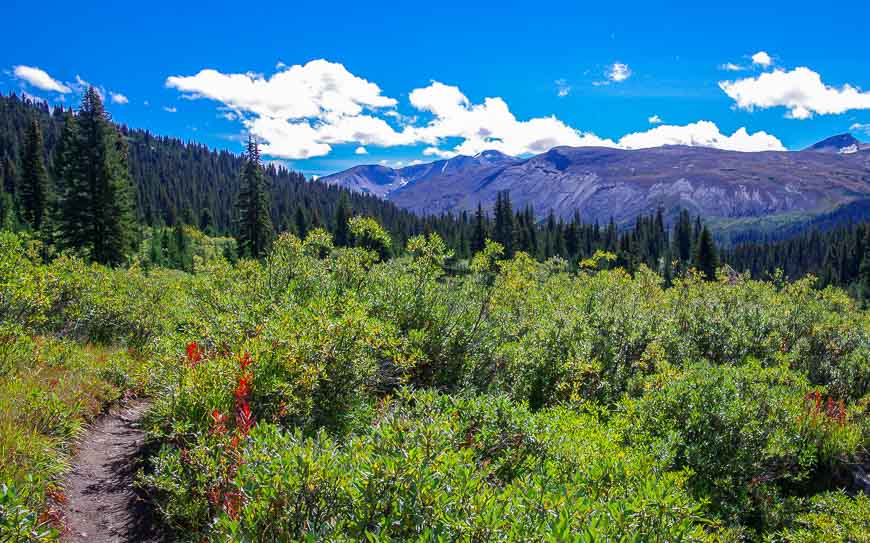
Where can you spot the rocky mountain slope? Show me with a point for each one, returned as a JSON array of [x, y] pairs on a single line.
[[602, 183]]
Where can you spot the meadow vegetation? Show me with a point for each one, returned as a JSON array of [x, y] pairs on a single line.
[[379, 393]]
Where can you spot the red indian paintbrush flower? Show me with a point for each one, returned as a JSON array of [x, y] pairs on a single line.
[[243, 388], [245, 419], [245, 361], [194, 355], [219, 421]]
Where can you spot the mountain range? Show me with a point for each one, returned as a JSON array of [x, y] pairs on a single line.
[[730, 187]]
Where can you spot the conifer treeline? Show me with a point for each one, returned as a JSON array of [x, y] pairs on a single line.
[[651, 242], [839, 257], [177, 182]]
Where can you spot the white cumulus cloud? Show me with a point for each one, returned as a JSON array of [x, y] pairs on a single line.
[[488, 125], [701, 134], [170, 109], [562, 88], [118, 98], [655, 119], [297, 140], [33, 98], [317, 89], [618, 72], [801, 90], [360, 151], [40, 79], [731, 67], [303, 111], [761, 58]]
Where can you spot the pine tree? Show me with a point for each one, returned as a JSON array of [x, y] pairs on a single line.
[[7, 212], [185, 252], [706, 259], [255, 223], [187, 215], [504, 223], [683, 237], [342, 216], [478, 240], [301, 224], [155, 249], [9, 176], [206, 221], [864, 270], [96, 210], [33, 189], [572, 236]]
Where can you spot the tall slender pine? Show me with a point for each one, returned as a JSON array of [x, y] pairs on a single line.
[[864, 269], [342, 216], [706, 259], [504, 222], [33, 189], [478, 242], [255, 222]]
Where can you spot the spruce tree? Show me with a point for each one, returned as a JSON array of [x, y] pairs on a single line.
[[342, 216], [864, 270], [504, 223], [301, 224], [9, 176], [478, 242], [255, 222], [33, 189], [96, 216], [683, 237], [706, 259]]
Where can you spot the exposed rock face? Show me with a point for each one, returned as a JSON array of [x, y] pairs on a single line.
[[602, 183]]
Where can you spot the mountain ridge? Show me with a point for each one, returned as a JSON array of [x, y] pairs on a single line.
[[840, 144], [603, 182]]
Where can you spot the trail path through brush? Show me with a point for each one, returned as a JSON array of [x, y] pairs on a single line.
[[101, 504]]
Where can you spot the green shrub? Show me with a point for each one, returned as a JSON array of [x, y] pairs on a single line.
[[19, 523], [830, 518], [749, 435], [429, 467]]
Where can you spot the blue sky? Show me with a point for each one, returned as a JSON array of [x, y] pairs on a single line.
[[323, 82]]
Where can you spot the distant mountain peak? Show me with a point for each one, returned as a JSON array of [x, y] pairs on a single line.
[[841, 143], [492, 155]]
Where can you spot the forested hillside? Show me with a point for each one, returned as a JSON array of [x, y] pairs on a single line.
[[840, 256], [187, 182]]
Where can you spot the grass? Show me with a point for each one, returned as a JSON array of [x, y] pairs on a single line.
[[51, 390]]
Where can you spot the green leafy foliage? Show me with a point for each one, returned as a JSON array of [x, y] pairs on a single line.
[[831, 518], [329, 393], [749, 435], [19, 523], [429, 467]]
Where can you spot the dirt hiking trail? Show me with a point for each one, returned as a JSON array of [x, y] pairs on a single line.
[[101, 504]]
